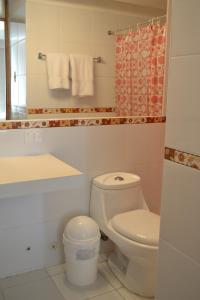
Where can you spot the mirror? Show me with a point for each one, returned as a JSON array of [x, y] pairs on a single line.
[[70, 27]]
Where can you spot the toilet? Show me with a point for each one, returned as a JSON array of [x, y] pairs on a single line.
[[118, 206]]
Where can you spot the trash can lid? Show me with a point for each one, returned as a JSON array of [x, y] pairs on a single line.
[[81, 228]]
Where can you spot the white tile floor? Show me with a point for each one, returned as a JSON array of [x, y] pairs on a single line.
[[51, 284]]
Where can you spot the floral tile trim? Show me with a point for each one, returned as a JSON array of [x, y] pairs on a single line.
[[79, 122], [183, 158], [70, 110]]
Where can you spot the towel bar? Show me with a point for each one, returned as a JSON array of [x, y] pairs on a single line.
[[43, 56]]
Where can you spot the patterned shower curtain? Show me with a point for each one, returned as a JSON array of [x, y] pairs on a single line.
[[140, 62]]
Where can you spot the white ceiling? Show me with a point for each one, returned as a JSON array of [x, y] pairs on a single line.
[[162, 4], [150, 8]]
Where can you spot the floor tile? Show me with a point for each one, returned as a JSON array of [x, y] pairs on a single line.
[[54, 270], [101, 286], [109, 296], [108, 275], [127, 295], [22, 278], [44, 289], [102, 258]]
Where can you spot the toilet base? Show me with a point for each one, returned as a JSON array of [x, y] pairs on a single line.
[[137, 276]]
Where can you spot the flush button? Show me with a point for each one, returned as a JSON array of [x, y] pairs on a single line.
[[119, 178]]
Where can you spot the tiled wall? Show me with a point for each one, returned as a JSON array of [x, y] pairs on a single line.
[[179, 269], [58, 27], [38, 221]]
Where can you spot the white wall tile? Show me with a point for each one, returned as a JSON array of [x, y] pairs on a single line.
[[26, 210], [151, 178], [178, 275], [180, 208], [147, 143], [185, 27], [101, 23], [71, 30], [75, 24], [104, 91], [103, 94], [40, 237], [39, 220], [179, 268], [42, 26], [14, 257], [107, 68], [77, 47], [183, 104]]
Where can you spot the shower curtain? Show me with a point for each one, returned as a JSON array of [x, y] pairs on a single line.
[[140, 61]]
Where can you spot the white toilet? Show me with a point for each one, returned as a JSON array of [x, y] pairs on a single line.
[[118, 206]]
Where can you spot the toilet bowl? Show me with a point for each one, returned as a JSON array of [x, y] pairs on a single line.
[[118, 206]]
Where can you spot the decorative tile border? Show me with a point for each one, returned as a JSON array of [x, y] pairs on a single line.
[[70, 110], [183, 158], [25, 124]]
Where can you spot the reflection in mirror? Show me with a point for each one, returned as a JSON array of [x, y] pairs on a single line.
[[2, 72], [17, 34], [2, 62], [66, 27], [2, 9]]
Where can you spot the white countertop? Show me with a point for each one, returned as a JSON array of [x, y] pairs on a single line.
[[38, 173]]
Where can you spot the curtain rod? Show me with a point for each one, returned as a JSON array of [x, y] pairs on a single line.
[[156, 19]]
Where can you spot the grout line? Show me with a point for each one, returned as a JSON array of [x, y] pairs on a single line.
[[184, 55], [180, 252], [54, 284], [52, 275], [123, 297], [23, 283], [103, 293]]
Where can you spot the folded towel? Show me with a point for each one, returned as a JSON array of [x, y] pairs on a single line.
[[58, 70], [82, 75]]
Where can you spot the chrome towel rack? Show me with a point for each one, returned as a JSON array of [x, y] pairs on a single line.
[[43, 56]]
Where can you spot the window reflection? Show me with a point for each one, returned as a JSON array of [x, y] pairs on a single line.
[[2, 72]]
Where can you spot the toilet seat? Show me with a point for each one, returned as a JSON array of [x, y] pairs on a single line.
[[138, 225]]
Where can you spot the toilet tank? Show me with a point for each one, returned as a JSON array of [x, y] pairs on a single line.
[[115, 193]]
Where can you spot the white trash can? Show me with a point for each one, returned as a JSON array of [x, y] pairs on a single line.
[[81, 239]]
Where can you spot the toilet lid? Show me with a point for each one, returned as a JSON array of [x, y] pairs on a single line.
[[138, 225]]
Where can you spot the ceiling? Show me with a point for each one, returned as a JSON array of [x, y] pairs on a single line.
[[150, 8], [161, 4]]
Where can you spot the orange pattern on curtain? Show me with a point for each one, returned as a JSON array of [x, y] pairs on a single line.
[[140, 62]]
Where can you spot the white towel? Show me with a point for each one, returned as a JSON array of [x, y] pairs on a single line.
[[82, 75], [58, 70]]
